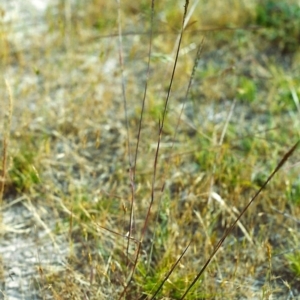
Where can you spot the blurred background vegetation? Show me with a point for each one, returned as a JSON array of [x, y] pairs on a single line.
[[71, 140]]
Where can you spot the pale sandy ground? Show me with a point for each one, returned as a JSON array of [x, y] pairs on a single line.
[[26, 243]]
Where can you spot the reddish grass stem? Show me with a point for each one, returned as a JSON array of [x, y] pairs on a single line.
[[171, 271], [161, 126], [131, 167], [229, 230], [198, 54]]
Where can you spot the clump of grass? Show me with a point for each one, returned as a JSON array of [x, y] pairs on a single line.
[[147, 180], [294, 262], [282, 21], [22, 172]]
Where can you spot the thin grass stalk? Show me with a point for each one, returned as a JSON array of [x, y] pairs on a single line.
[[165, 32], [131, 172], [198, 54], [171, 271], [164, 115], [229, 230], [173, 71], [160, 129], [142, 112], [145, 89], [121, 61]]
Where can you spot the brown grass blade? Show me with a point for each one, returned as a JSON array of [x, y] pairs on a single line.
[[131, 166], [229, 230], [170, 272], [161, 126], [132, 177], [197, 58]]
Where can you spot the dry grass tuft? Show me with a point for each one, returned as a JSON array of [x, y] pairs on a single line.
[[140, 132]]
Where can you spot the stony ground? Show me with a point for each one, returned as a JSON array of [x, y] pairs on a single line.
[[27, 244]]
